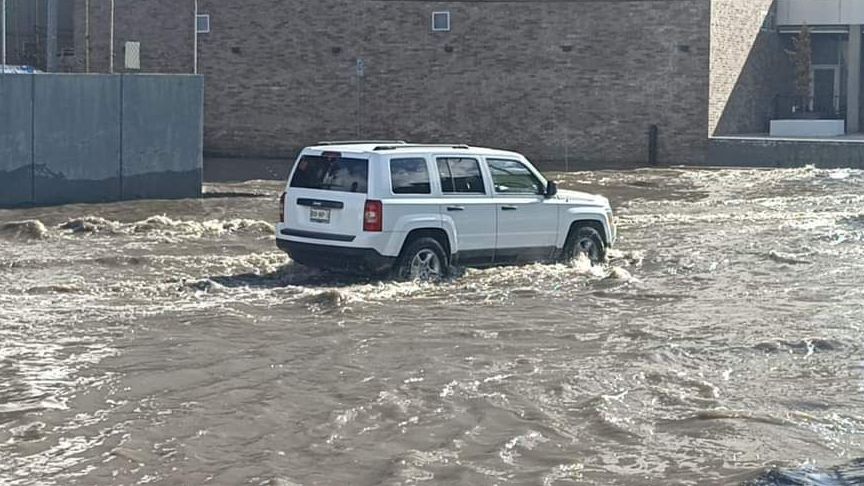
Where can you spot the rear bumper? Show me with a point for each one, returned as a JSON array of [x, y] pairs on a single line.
[[338, 258]]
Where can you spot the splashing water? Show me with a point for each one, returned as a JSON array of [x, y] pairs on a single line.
[[169, 342]]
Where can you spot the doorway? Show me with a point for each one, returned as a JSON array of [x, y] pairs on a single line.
[[825, 90]]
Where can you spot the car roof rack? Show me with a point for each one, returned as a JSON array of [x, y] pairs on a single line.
[[434, 145], [361, 142]]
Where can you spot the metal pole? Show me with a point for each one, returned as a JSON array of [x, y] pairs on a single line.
[[3, 30], [195, 33], [361, 71], [359, 106], [567, 154], [86, 36], [111, 41]]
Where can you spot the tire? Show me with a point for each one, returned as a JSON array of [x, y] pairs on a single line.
[[584, 240], [422, 260]]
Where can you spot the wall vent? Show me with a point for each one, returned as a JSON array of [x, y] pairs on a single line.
[[133, 55]]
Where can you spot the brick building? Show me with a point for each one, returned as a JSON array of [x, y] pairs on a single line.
[[576, 82]]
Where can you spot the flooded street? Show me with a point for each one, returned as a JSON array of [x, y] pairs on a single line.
[[170, 342]]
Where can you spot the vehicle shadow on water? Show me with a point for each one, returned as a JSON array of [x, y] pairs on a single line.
[[291, 275]]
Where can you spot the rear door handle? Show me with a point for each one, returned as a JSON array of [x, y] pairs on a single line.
[[455, 208], [509, 208]]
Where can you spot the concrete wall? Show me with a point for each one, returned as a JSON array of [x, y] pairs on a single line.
[[820, 12], [16, 139], [575, 79], [749, 67], [162, 155], [94, 138], [76, 138], [766, 152]]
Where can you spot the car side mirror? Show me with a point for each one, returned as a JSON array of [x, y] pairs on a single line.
[[551, 189]]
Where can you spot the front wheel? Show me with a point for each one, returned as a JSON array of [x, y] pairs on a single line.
[[587, 241], [422, 260]]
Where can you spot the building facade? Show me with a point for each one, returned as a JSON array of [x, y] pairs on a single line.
[[571, 84], [754, 71]]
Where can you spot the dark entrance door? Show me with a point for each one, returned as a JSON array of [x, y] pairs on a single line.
[[825, 93]]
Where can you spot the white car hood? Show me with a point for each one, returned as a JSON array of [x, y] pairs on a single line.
[[582, 198]]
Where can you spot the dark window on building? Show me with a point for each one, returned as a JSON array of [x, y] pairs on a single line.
[[440, 21], [512, 177], [459, 175], [409, 176], [826, 49], [202, 23], [331, 174]]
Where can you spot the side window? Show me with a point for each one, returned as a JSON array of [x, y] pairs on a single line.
[[409, 176], [512, 177], [460, 176]]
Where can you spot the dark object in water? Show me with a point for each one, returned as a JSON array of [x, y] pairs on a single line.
[[844, 475]]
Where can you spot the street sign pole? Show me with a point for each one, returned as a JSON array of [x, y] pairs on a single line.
[[361, 71]]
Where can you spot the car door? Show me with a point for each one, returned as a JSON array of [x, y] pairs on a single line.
[[527, 225], [466, 202]]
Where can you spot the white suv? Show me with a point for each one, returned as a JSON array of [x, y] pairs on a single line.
[[418, 209]]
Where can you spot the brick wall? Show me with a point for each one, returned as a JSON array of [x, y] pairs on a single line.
[[163, 27], [749, 67], [577, 79]]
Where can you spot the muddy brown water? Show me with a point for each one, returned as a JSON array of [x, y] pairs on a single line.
[[169, 342]]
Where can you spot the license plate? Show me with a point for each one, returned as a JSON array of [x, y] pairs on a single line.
[[319, 215]]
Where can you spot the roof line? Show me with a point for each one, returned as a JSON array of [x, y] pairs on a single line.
[[360, 142], [417, 145]]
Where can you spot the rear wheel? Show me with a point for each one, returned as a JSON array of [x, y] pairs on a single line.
[[423, 260], [584, 240]]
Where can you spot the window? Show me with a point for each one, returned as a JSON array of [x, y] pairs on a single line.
[[409, 176], [460, 175], [440, 21], [512, 177], [826, 49], [331, 173], [202, 24]]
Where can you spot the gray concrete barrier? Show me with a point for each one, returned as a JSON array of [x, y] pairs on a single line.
[[94, 138], [767, 152], [76, 138], [162, 127], [16, 140]]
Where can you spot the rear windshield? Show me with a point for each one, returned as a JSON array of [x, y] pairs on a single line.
[[331, 174]]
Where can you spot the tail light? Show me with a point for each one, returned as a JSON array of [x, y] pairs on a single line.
[[282, 208], [373, 216]]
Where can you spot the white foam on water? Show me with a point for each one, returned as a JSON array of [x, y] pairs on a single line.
[[28, 229], [152, 226], [509, 452], [564, 472]]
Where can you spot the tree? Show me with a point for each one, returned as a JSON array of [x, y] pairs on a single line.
[[802, 58]]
